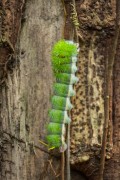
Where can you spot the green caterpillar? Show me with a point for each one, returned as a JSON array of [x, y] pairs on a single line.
[[64, 59]]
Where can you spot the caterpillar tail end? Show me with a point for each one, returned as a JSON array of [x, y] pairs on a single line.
[[63, 147]]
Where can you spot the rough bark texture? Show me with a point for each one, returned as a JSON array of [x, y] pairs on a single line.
[[25, 96], [112, 170], [10, 25], [97, 20], [90, 91]]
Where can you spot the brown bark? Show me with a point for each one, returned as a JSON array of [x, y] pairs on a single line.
[[25, 95], [10, 24], [113, 165], [97, 19], [109, 74]]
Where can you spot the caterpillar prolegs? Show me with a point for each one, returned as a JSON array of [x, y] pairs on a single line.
[[64, 59]]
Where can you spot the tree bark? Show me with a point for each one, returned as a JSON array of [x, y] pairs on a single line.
[[112, 167], [28, 30], [25, 94], [97, 25]]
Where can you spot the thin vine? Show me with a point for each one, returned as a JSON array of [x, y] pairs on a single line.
[[75, 20]]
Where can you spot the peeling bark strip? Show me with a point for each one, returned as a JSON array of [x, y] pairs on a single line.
[[10, 24]]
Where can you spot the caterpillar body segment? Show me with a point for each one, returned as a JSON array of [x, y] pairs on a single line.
[[61, 60], [69, 68], [61, 103], [63, 90], [55, 128], [64, 60], [54, 140], [65, 78], [66, 68], [59, 116]]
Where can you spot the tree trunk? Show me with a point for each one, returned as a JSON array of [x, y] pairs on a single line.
[[97, 25], [112, 170], [26, 90], [28, 30]]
